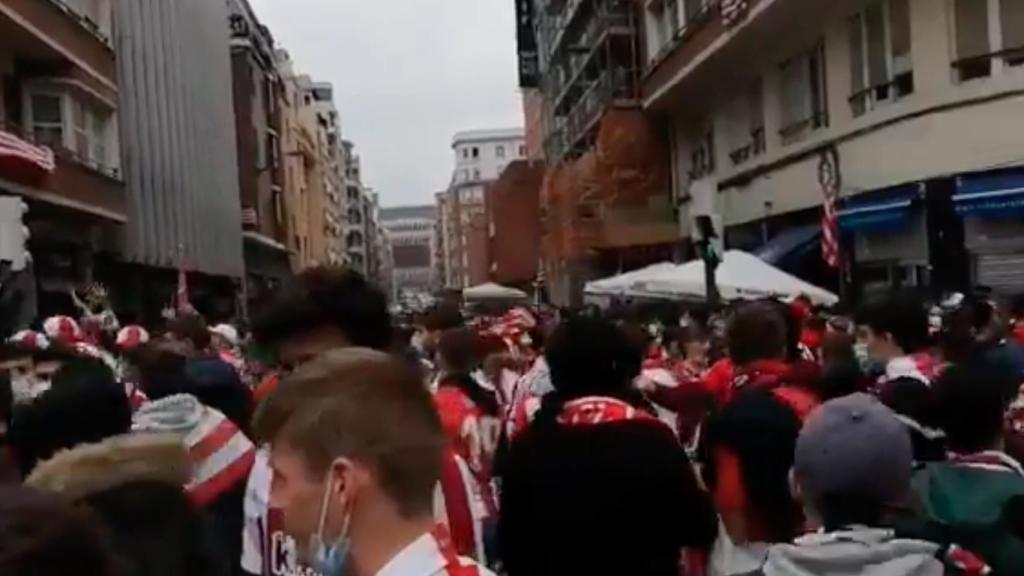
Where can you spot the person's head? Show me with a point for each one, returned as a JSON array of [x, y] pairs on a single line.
[[356, 445], [591, 356], [971, 400], [458, 351], [160, 369], [750, 449], [324, 308], [694, 342], [444, 316], [45, 536], [893, 326], [841, 370], [757, 331], [80, 410], [190, 330], [972, 324], [224, 338], [853, 463]]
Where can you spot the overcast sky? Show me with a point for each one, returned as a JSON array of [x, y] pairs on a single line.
[[407, 74]]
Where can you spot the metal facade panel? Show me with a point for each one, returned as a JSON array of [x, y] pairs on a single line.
[[178, 135]]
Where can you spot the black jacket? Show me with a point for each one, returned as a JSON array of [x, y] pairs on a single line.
[[617, 498]]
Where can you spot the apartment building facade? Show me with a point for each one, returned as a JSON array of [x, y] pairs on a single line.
[[605, 201], [321, 115], [411, 233], [480, 158], [181, 159], [906, 104], [259, 102], [514, 225], [60, 147]]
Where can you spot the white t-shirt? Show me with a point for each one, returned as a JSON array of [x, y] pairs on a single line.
[[266, 549], [428, 557]]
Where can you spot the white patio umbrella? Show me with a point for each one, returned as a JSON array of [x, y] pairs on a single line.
[[741, 276], [492, 291]]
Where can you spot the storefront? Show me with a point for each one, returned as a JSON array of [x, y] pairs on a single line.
[[885, 236], [992, 207]]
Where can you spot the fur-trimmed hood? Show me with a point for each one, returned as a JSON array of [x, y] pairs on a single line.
[[95, 468]]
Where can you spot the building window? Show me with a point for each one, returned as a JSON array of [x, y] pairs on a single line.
[[499, 152], [746, 124], [982, 50], [522, 151], [702, 158], [881, 69], [476, 172], [273, 150], [804, 106], [465, 153], [47, 119], [476, 152], [663, 22], [62, 122]]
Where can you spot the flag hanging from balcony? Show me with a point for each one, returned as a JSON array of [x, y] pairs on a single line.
[[828, 179], [22, 161], [733, 11]]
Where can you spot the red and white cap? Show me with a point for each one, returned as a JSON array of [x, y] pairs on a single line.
[[30, 340], [63, 329], [131, 337]]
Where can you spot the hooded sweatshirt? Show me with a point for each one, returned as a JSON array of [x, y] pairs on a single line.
[[971, 499], [863, 551], [221, 455]]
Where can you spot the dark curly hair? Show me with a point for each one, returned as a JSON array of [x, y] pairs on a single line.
[[327, 297]]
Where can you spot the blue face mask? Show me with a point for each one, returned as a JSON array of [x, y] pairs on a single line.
[[329, 559]]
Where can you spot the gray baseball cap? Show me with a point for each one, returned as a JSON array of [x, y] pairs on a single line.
[[854, 445]]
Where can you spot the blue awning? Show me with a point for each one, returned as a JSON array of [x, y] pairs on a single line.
[[791, 242], [990, 194], [882, 209]]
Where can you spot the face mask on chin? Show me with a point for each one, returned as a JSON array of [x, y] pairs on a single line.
[[329, 559]]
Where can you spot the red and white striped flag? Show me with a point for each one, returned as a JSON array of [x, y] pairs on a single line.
[[15, 148], [831, 251]]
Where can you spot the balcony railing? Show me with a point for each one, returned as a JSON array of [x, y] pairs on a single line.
[[869, 98], [83, 20], [795, 131], [598, 31], [612, 87], [755, 147], [980, 66]]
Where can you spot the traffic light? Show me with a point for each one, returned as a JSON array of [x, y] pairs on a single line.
[[14, 234], [707, 234]]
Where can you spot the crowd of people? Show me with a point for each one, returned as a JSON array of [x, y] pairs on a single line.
[[767, 438]]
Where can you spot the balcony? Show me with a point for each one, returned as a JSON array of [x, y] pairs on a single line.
[[74, 183], [645, 225], [604, 34], [613, 88], [707, 48], [51, 35]]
